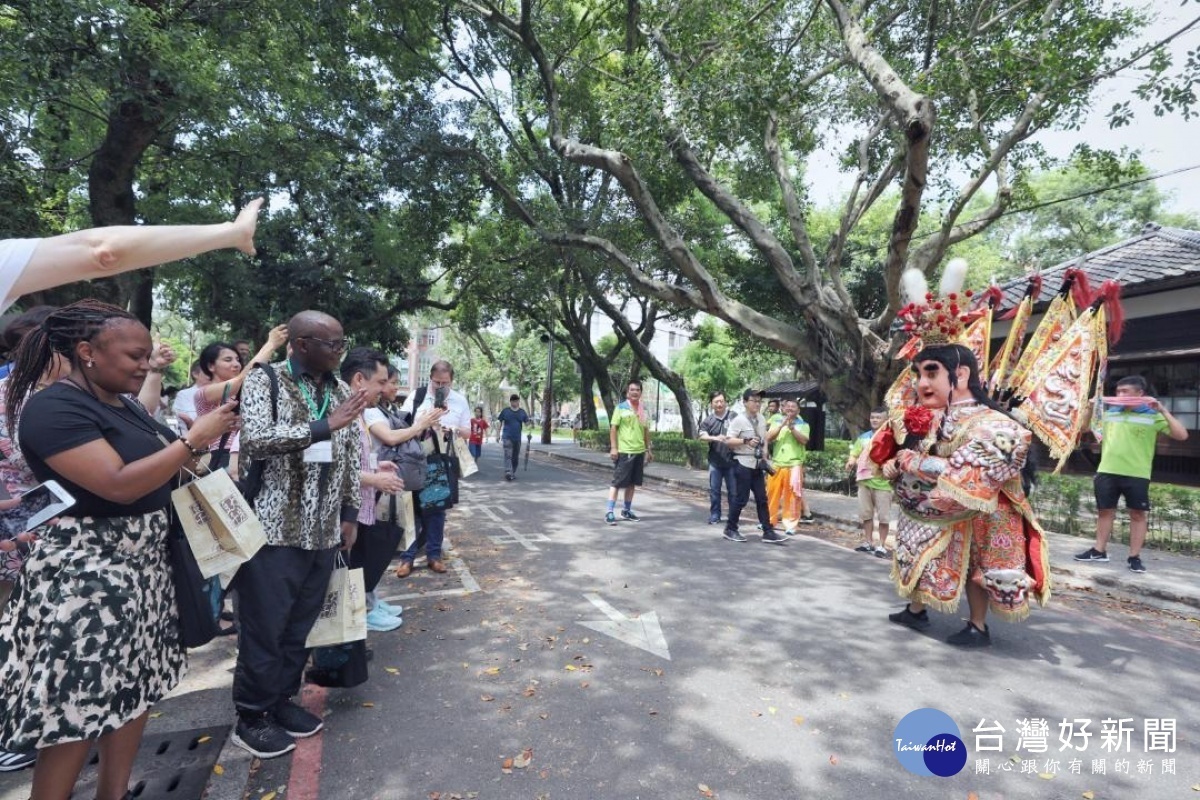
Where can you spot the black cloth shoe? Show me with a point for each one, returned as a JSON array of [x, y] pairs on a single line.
[[298, 723], [11, 761], [905, 616], [774, 537], [971, 636], [261, 736]]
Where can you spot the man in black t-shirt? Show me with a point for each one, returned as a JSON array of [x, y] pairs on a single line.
[[720, 460]]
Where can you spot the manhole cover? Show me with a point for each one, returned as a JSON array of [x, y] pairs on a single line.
[[169, 766]]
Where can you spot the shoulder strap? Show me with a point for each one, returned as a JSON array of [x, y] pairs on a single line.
[[419, 397], [273, 377]]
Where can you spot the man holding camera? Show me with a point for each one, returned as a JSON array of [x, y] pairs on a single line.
[[746, 437], [455, 419]]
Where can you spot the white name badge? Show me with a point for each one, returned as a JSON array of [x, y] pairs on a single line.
[[319, 453], [373, 462]]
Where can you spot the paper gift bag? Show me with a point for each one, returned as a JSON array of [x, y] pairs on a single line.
[[220, 527], [343, 616], [409, 519], [466, 462]]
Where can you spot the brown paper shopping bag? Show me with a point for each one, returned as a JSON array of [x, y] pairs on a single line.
[[343, 616], [466, 462], [408, 517], [221, 529]]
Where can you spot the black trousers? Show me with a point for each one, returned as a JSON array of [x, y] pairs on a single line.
[[280, 593], [749, 481], [373, 550]]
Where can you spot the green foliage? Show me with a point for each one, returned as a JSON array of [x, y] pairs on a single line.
[[707, 364], [1104, 215]]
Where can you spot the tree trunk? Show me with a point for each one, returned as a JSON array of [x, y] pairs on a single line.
[[587, 403], [132, 128]]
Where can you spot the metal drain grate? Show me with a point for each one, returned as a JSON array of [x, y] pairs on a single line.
[[169, 766]]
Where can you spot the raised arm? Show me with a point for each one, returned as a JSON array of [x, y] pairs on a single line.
[[101, 252], [394, 436], [276, 339]]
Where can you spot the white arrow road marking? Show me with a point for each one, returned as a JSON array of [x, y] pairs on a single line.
[[642, 631]]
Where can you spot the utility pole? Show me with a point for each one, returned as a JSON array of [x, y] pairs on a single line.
[[548, 395]]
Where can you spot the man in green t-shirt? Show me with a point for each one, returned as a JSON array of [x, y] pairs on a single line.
[[629, 447], [874, 490], [787, 433], [1130, 432]]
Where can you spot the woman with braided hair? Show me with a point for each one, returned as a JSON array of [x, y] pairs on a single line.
[[90, 638]]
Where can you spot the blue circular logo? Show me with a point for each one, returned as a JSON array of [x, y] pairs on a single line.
[[928, 742]]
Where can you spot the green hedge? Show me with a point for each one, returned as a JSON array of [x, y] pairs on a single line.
[[1064, 503], [1067, 504]]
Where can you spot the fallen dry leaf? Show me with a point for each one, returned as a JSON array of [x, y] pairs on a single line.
[[544, 715], [368, 705], [269, 796], [756, 713], [529, 691], [487, 698], [705, 791], [435, 796], [584, 685], [492, 671], [771, 710], [1088, 795], [1046, 776], [798, 720], [522, 761], [972, 796], [506, 766], [391, 670], [218, 769], [833, 760], [203, 739], [155, 714], [570, 668]]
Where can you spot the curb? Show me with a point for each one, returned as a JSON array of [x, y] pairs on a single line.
[[1134, 590]]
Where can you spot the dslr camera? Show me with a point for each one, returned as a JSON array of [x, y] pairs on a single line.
[[763, 463]]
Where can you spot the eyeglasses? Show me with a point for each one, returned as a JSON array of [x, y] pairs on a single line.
[[336, 345]]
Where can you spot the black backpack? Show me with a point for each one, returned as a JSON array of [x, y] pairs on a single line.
[[252, 481], [409, 457]]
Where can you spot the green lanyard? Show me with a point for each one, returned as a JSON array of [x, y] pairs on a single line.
[[309, 400]]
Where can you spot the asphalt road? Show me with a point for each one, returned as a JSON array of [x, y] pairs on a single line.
[[775, 675], [564, 658]]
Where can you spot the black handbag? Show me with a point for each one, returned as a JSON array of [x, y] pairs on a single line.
[[340, 666], [195, 596]]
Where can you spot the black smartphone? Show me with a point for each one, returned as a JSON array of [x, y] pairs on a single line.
[[439, 397]]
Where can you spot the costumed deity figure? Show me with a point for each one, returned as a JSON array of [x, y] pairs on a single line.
[[959, 462]]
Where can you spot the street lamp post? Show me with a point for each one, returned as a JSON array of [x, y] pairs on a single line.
[[548, 395]]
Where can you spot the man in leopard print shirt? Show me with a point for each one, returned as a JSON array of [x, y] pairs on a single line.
[[308, 505]]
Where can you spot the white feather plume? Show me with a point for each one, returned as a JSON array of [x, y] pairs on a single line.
[[953, 276], [913, 285]]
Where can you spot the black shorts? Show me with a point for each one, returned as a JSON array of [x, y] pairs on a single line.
[[1110, 488], [628, 470]]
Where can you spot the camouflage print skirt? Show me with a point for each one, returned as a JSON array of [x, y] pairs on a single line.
[[90, 637]]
